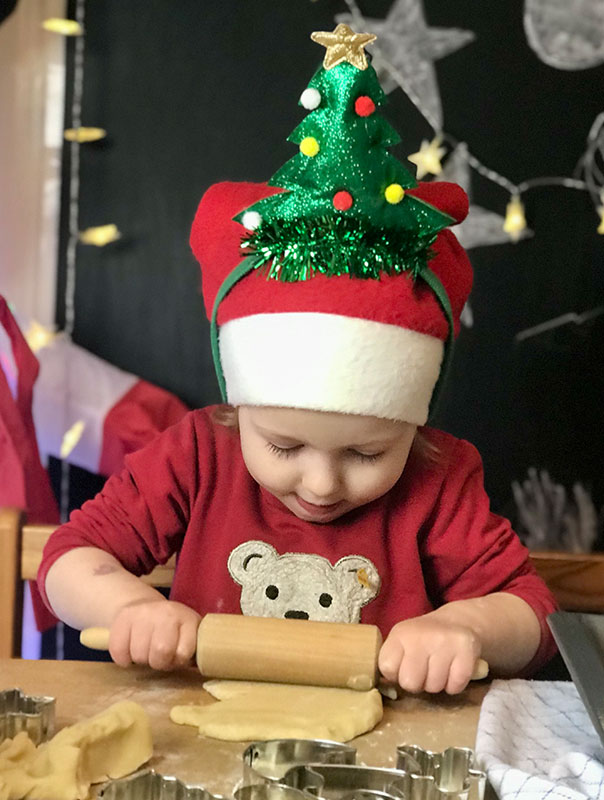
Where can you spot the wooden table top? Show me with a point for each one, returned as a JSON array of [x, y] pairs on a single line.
[[84, 688]]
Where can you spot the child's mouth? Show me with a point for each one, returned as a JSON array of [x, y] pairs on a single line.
[[318, 510]]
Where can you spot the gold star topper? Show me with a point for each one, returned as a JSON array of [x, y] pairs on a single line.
[[343, 44]]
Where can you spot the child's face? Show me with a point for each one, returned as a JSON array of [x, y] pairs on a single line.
[[322, 464]]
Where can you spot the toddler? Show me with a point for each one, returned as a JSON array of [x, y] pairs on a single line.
[[316, 491]]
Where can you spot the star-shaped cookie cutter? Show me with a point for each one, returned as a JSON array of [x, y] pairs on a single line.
[[29, 713]]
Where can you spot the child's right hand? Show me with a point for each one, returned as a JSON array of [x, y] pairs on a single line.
[[160, 633], [429, 654]]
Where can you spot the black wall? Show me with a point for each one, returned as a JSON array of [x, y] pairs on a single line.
[[193, 91]]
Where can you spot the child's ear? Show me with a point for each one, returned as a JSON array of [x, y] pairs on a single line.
[[247, 557], [359, 578]]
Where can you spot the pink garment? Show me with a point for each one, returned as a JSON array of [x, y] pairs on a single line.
[[430, 540]]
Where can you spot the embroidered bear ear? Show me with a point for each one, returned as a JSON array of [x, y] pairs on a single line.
[[246, 558], [359, 578]]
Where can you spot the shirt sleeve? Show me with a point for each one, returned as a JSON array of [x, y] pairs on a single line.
[[471, 552], [140, 517]]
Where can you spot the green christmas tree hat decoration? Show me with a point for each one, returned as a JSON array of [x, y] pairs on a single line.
[[345, 209]]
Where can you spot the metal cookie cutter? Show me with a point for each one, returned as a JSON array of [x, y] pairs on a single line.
[[22, 712], [346, 781], [150, 785], [433, 776], [270, 760], [269, 791]]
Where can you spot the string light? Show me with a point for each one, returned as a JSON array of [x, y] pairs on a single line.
[[100, 235], [71, 438], [587, 176], [65, 27], [601, 212], [84, 135], [515, 221], [38, 336], [428, 157], [70, 254]]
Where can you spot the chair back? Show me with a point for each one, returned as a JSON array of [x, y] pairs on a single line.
[[575, 579], [21, 547]]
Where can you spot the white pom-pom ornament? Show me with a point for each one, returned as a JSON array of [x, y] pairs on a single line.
[[250, 220], [310, 99]]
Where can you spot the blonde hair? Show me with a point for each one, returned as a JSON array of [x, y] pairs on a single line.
[[422, 447]]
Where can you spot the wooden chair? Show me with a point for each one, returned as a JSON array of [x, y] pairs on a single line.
[[576, 580], [21, 547]]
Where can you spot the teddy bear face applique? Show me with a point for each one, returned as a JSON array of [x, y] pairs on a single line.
[[302, 585]]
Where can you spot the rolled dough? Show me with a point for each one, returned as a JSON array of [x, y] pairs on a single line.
[[109, 745], [248, 711]]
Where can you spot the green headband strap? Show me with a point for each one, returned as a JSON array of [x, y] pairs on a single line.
[[433, 281], [249, 263], [240, 271]]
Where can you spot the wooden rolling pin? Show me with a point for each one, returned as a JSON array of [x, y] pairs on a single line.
[[237, 647]]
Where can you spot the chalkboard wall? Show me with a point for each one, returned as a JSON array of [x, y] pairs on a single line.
[[193, 91]]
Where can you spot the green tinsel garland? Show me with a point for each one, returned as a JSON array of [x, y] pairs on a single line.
[[336, 246]]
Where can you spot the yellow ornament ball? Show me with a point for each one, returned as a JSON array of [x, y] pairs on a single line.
[[309, 146], [394, 193]]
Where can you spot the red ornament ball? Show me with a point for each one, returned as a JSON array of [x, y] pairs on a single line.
[[342, 201], [364, 106]]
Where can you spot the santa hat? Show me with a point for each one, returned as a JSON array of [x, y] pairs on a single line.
[[347, 294]]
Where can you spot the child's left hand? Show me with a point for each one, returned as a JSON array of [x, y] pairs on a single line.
[[426, 654]]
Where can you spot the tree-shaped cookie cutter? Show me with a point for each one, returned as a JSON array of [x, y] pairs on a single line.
[[277, 769], [23, 712], [270, 760], [150, 785]]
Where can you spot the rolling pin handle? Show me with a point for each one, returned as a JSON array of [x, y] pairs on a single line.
[[481, 670], [95, 638]]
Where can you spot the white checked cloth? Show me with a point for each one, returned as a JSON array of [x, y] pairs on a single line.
[[535, 741]]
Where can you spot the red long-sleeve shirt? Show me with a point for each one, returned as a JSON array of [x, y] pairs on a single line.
[[431, 539]]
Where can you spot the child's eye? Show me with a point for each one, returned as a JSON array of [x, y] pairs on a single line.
[[283, 452], [365, 456]]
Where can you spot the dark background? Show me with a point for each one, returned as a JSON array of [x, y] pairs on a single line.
[[193, 91]]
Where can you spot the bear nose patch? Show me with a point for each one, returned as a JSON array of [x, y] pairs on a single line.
[[296, 615]]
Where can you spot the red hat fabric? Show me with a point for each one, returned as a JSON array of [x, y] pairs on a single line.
[[334, 343]]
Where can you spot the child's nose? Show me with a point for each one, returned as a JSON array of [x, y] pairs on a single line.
[[321, 478]]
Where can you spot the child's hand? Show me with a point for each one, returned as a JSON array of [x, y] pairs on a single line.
[[425, 654], [160, 633]]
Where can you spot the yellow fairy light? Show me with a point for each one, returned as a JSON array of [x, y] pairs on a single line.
[[38, 336], [309, 146], [600, 211], [343, 44], [101, 235], [66, 27], [515, 221], [83, 135], [394, 193], [71, 438], [427, 159]]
